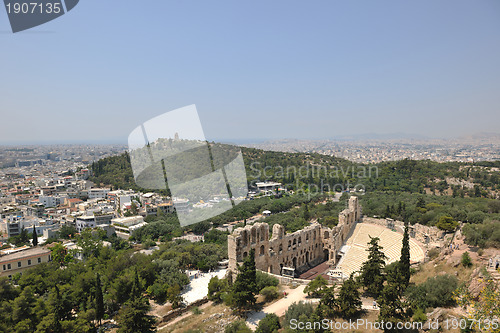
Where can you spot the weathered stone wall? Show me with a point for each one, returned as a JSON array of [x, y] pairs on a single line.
[[301, 249], [422, 233]]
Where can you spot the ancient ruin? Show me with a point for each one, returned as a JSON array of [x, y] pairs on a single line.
[[300, 250]]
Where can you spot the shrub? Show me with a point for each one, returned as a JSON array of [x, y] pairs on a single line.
[[466, 260], [297, 310], [433, 253], [476, 217], [196, 311], [269, 324], [483, 235], [270, 293], [419, 316], [435, 292], [238, 326], [265, 280]]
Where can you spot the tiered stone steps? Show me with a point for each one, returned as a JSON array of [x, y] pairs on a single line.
[[390, 241]]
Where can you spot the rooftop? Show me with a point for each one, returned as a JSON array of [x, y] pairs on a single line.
[[35, 251]]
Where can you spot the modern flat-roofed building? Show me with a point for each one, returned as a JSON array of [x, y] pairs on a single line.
[[84, 222], [18, 261], [267, 186], [98, 193], [125, 225]]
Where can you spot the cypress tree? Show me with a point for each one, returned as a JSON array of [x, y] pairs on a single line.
[[57, 308], [136, 286], [35, 236], [404, 261], [99, 300]]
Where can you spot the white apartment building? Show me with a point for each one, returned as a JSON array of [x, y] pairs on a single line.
[[125, 225], [50, 200], [85, 222], [98, 193]]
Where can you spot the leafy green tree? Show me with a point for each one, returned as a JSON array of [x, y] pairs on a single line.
[[67, 231], [244, 289], [60, 255], [447, 223], [217, 288], [316, 287], [35, 237], [269, 324], [174, 296], [89, 245], [23, 236], [349, 300], [133, 208], [371, 276]]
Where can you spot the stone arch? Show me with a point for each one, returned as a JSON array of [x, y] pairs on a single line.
[[262, 233], [245, 254], [254, 235], [300, 240], [280, 249], [261, 252], [271, 269], [294, 262], [307, 257], [326, 235], [289, 244], [294, 242], [314, 235], [326, 254], [307, 237]]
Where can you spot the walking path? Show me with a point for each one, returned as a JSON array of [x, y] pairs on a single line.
[[279, 307], [293, 296]]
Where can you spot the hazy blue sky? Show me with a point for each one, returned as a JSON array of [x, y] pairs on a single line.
[[255, 69]]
